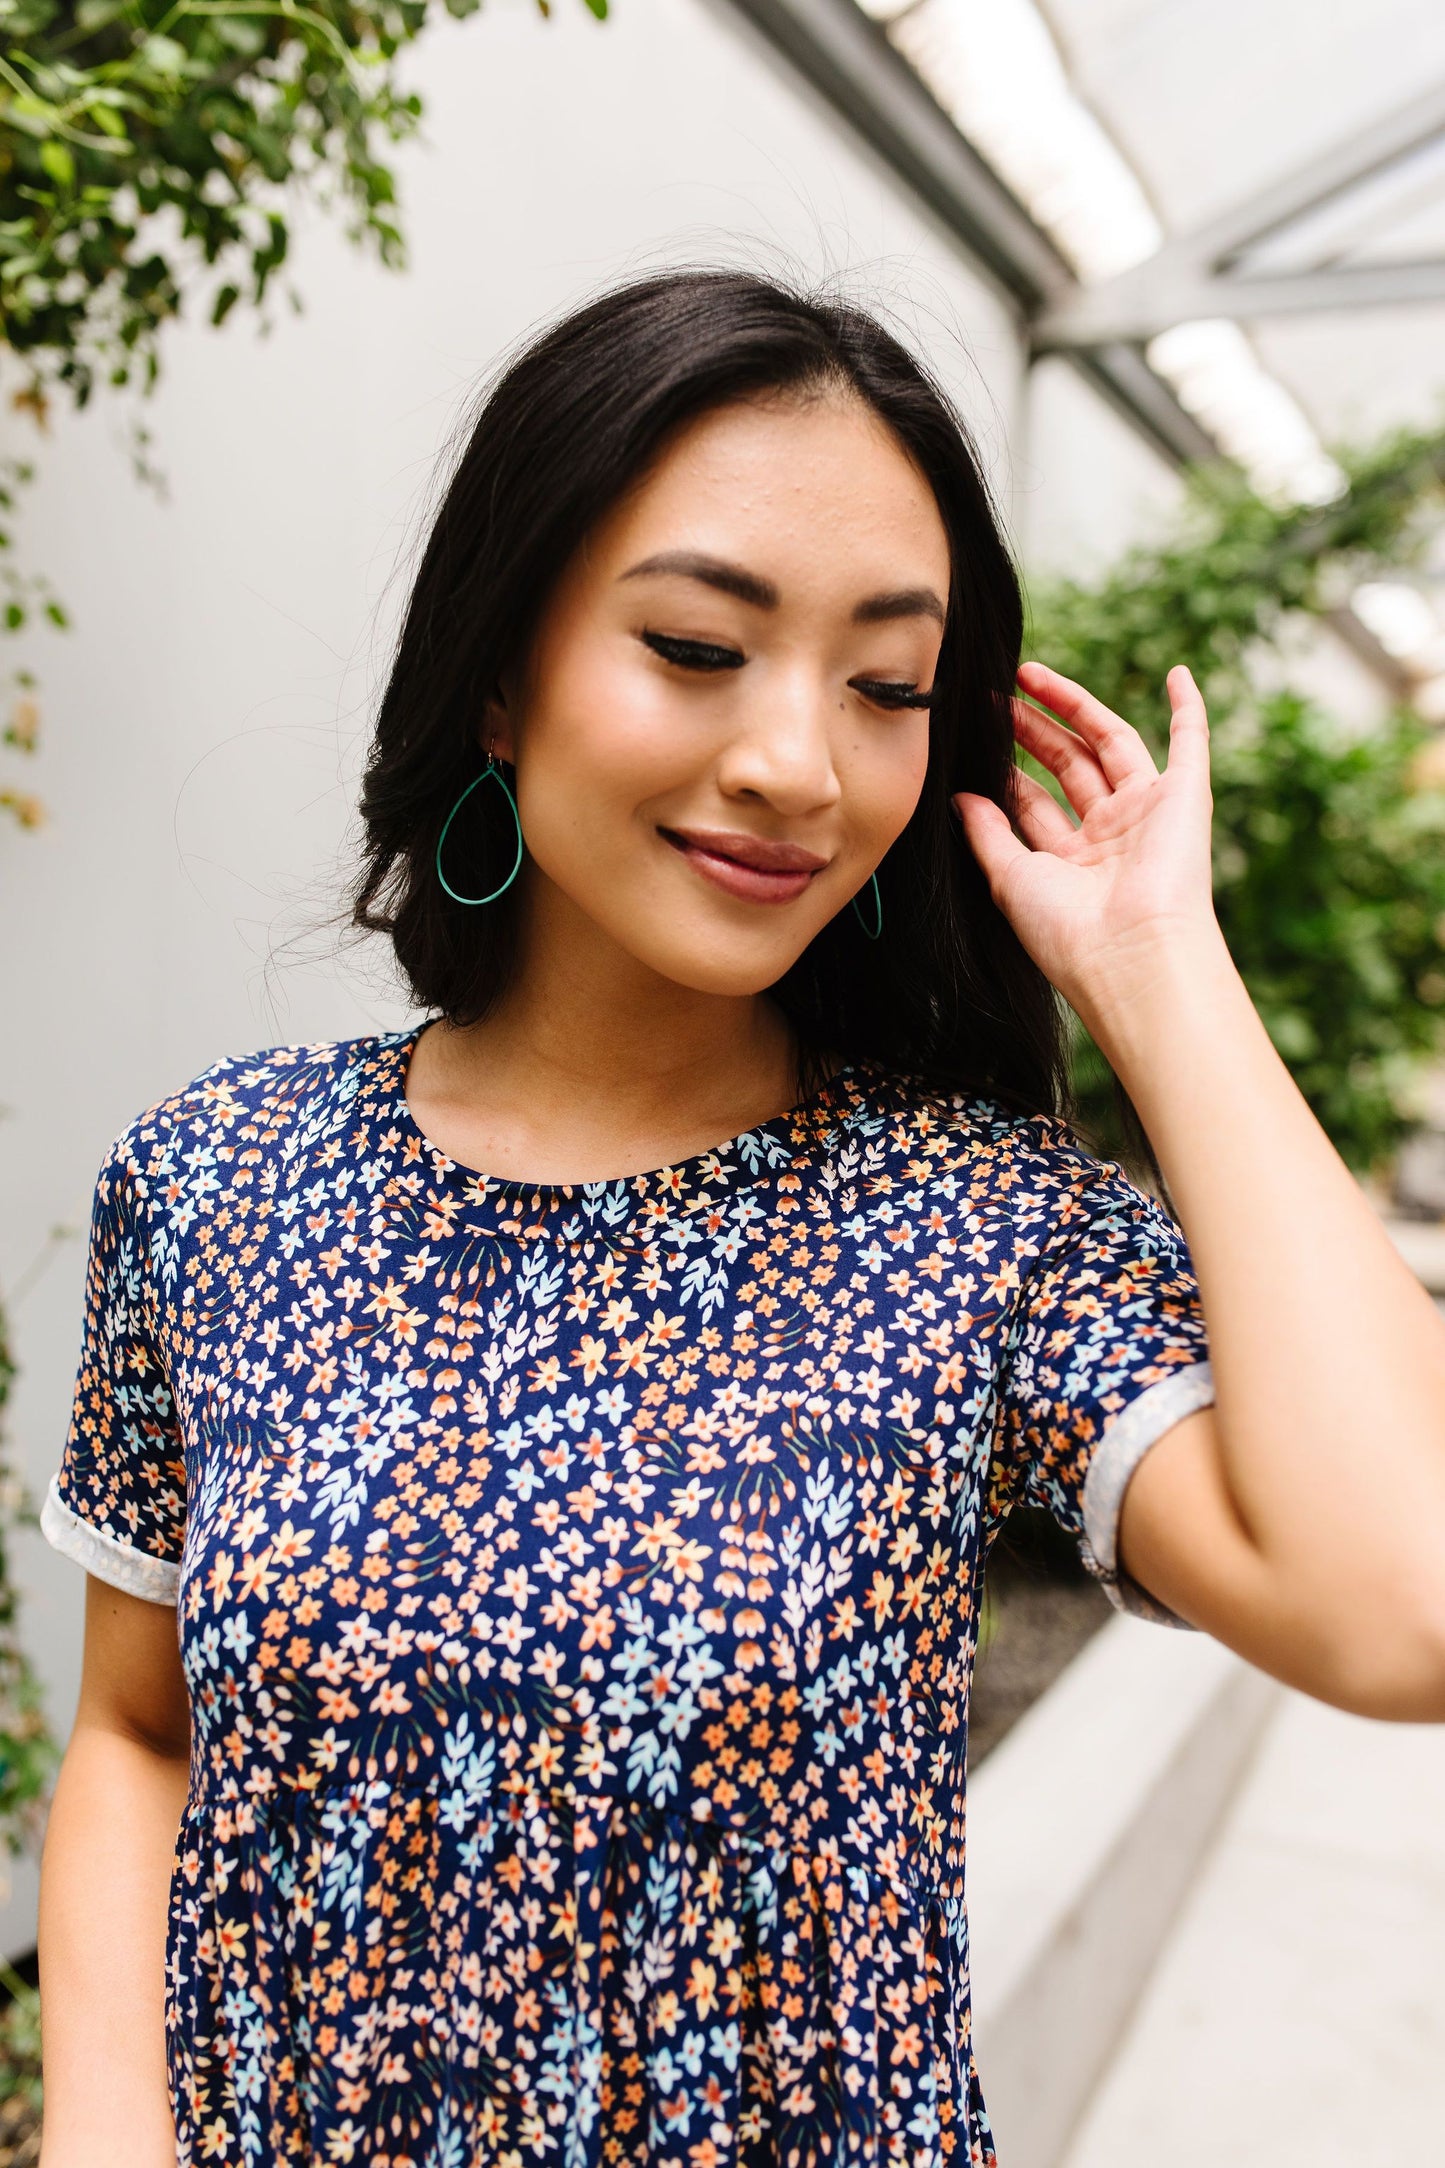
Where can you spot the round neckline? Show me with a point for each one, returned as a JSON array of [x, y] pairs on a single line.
[[785, 1144]]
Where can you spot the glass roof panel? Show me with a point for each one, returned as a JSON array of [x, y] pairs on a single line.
[[1213, 99]]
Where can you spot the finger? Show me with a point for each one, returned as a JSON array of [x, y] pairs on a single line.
[[1043, 820], [1064, 755], [1188, 727], [990, 838], [1120, 749]]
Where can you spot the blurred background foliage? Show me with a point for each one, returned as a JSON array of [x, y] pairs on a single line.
[[150, 153], [1329, 844], [146, 145], [29, 1756]]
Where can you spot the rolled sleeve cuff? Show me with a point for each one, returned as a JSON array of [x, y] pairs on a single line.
[[125, 1567], [1123, 1445]]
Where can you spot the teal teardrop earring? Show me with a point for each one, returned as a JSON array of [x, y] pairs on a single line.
[[874, 932], [491, 772]]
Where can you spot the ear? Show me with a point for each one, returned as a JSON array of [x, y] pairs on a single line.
[[496, 730]]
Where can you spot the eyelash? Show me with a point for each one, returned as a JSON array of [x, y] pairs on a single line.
[[703, 655], [692, 654]]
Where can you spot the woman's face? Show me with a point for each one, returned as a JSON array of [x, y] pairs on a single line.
[[720, 730]]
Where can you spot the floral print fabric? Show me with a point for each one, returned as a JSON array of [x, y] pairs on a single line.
[[577, 1591]]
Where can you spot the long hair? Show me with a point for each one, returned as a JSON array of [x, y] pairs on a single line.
[[947, 994]]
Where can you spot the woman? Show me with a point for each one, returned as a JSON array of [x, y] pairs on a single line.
[[568, 1434]]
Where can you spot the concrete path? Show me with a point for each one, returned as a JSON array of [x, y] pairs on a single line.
[[1296, 2018]]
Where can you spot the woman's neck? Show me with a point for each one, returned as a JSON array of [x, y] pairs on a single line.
[[591, 1066]]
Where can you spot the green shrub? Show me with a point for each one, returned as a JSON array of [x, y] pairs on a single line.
[[1329, 868], [28, 1754]]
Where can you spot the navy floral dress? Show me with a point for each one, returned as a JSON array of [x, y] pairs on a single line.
[[577, 1590]]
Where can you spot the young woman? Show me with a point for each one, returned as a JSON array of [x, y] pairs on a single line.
[[535, 1468]]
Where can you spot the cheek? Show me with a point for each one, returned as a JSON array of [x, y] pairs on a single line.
[[882, 780], [598, 739]]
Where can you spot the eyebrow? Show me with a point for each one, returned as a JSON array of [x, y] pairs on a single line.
[[731, 579], [713, 572], [906, 602]]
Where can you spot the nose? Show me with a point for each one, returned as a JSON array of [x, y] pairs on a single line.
[[782, 752]]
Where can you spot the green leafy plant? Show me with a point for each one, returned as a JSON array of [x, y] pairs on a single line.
[[28, 1754], [1330, 887], [20, 2086], [145, 140], [1329, 866], [149, 153], [20, 735], [23, 596]]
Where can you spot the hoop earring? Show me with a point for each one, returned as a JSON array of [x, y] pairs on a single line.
[[491, 772], [875, 931]]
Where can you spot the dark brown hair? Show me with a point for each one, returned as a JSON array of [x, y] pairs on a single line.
[[948, 993]]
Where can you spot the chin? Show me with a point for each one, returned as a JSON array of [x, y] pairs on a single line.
[[730, 969]]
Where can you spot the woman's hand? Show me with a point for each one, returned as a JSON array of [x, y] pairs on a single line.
[[1102, 907]]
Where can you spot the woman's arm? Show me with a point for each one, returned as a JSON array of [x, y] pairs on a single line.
[[1302, 1519], [104, 1878]]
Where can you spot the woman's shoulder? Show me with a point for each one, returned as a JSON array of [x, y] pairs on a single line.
[[243, 1104], [972, 1143], [936, 1121]]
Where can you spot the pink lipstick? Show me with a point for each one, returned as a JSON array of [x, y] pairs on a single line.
[[746, 866]]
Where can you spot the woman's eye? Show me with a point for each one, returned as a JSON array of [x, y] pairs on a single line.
[[693, 654], [884, 693]]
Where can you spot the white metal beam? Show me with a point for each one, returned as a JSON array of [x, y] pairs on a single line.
[[1330, 174], [1171, 289], [1197, 275], [845, 57]]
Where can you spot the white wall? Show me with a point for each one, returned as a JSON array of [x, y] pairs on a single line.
[[203, 720], [1085, 484]]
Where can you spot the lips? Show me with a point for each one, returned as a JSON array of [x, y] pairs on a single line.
[[749, 867]]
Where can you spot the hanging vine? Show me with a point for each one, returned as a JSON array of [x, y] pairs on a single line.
[[150, 153]]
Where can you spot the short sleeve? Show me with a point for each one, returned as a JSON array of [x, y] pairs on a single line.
[[1108, 1352], [116, 1504]]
